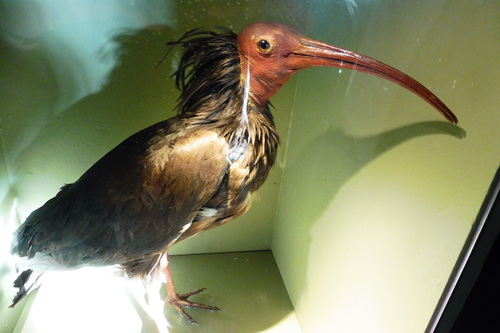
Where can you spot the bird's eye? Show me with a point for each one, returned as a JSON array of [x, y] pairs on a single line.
[[263, 45]]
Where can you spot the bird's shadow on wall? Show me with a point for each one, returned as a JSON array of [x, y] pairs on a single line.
[[342, 156], [134, 96]]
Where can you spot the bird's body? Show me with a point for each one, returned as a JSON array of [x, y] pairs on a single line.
[[156, 180], [179, 177]]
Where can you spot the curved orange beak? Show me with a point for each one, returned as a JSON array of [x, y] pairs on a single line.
[[311, 53]]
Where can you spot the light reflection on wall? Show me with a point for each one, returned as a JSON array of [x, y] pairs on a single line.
[[74, 35]]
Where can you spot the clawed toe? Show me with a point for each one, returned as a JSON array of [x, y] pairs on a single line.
[[181, 301]]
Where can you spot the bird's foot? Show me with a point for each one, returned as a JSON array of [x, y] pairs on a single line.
[[181, 301]]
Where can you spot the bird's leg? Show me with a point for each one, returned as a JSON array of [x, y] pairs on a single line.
[[178, 301]]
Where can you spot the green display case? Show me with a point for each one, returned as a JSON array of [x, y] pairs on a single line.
[[364, 216]]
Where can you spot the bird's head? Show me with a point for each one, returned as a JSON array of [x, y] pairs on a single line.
[[270, 53]]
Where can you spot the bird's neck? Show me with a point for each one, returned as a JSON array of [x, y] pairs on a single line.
[[253, 124], [262, 82]]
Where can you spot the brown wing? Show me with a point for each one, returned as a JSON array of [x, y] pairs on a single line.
[[133, 202]]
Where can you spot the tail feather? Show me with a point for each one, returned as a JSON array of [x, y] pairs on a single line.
[[27, 281]]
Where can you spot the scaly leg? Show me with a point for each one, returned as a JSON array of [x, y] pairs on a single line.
[[178, 301]]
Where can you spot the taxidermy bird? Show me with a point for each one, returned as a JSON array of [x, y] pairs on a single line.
[[190, 173]]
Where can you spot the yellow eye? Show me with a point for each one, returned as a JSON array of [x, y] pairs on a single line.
[[263, 45]]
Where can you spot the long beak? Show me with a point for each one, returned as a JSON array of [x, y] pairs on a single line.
[[314, 53]]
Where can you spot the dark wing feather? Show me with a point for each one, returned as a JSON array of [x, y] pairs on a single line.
[[133, 202]]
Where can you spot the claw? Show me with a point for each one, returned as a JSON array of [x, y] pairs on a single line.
[[180, 301]]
